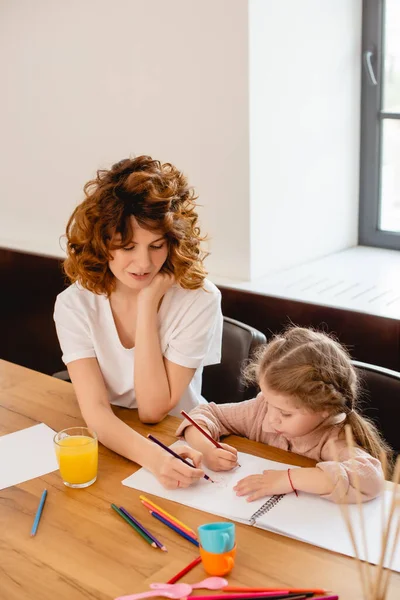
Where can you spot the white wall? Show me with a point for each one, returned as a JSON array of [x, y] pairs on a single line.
[[88, 82], [304, 129]]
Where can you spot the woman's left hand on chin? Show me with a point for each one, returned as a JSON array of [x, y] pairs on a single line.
[[159, 285]]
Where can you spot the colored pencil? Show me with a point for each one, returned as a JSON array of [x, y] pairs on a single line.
[[135, 527], [38, 513], [188, 568], [238, 588], [267, 596], [154, 507], [203, 431], [172, 521], [175, 528], [156, 441], [150, 535]]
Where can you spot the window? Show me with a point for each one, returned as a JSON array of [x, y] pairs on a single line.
[[380, 125]]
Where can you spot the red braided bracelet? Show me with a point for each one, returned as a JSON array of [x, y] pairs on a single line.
[[290, 480]]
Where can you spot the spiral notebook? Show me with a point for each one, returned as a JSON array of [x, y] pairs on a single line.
[[305, 517]]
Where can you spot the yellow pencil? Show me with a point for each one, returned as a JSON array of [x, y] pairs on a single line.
[[164, 512]]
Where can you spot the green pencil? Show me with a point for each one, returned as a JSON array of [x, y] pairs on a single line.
[[135, 527]]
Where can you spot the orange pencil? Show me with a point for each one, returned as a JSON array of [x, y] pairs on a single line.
[[164, 513], [172, 521]]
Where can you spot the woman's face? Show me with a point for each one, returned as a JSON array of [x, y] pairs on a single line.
[[136, 265]]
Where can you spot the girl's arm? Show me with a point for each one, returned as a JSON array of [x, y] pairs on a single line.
[[363, 472], [159, 383], [241, 418], [238, 418], [335, 481], [113, 433]]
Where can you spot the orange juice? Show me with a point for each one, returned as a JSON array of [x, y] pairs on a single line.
[[77, 457]]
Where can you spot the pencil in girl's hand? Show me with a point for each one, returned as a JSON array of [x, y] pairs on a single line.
[[156, 441], [38, 513], [150, 535], [154, 507], [135, 527], [203, 431], [174, 528]]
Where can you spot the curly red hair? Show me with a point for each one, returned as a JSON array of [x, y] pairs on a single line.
[[159, 198]]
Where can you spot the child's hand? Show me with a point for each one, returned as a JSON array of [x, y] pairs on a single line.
[[267, 484], [221, 459]]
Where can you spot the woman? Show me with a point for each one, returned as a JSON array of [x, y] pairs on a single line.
[[140, 319]]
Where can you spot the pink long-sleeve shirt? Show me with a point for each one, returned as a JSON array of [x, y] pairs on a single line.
[[246, 419]]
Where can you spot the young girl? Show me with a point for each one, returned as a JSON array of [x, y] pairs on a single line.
[[309, 391], [140, 319]]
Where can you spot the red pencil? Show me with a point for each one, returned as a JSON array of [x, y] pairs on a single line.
[[203, 431], [239, 588], [188, 568]]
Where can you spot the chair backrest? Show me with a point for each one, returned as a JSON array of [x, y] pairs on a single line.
[[221, 383], [380, 400]]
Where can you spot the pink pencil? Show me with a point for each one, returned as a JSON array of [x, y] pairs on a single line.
[[260, 595]]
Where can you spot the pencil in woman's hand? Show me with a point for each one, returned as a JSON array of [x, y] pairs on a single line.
[[156, 441]]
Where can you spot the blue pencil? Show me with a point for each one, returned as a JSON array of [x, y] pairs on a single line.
[[38, 513], [168, 524]]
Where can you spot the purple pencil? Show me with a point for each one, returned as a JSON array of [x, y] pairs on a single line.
[[146, 531], [156, 441]]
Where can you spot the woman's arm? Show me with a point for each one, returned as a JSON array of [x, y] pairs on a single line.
[[159, 383], [113, 433]]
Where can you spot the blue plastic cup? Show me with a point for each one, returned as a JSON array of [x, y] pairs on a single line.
[[217, 537]]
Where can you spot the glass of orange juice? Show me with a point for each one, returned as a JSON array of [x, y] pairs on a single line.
[[77, 455]]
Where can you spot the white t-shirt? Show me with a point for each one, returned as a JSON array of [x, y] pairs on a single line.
[[190, 330]]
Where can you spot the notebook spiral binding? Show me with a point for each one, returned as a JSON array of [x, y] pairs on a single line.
[[266, 507]]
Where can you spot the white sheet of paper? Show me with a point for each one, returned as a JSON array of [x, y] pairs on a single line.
[[26, 454]]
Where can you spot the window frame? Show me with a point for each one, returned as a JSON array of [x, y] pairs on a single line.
[[372, 117]]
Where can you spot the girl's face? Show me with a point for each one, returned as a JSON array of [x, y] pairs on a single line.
[[286, 417], [136, 265]]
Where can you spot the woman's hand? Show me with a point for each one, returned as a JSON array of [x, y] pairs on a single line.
[[156, 289], [220, 459], [173, 473], [267, 484]]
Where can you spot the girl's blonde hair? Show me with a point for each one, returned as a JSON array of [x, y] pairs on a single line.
[[317, 370]]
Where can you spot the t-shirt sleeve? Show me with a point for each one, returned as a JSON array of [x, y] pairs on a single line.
[[196, 340], [73, 331]]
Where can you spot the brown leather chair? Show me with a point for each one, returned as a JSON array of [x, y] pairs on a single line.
[[222, 382], [380, 400]]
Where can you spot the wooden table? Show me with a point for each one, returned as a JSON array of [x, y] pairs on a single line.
[[84, 551]]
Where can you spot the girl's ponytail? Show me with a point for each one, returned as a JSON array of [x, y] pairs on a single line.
[[367, 436]]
